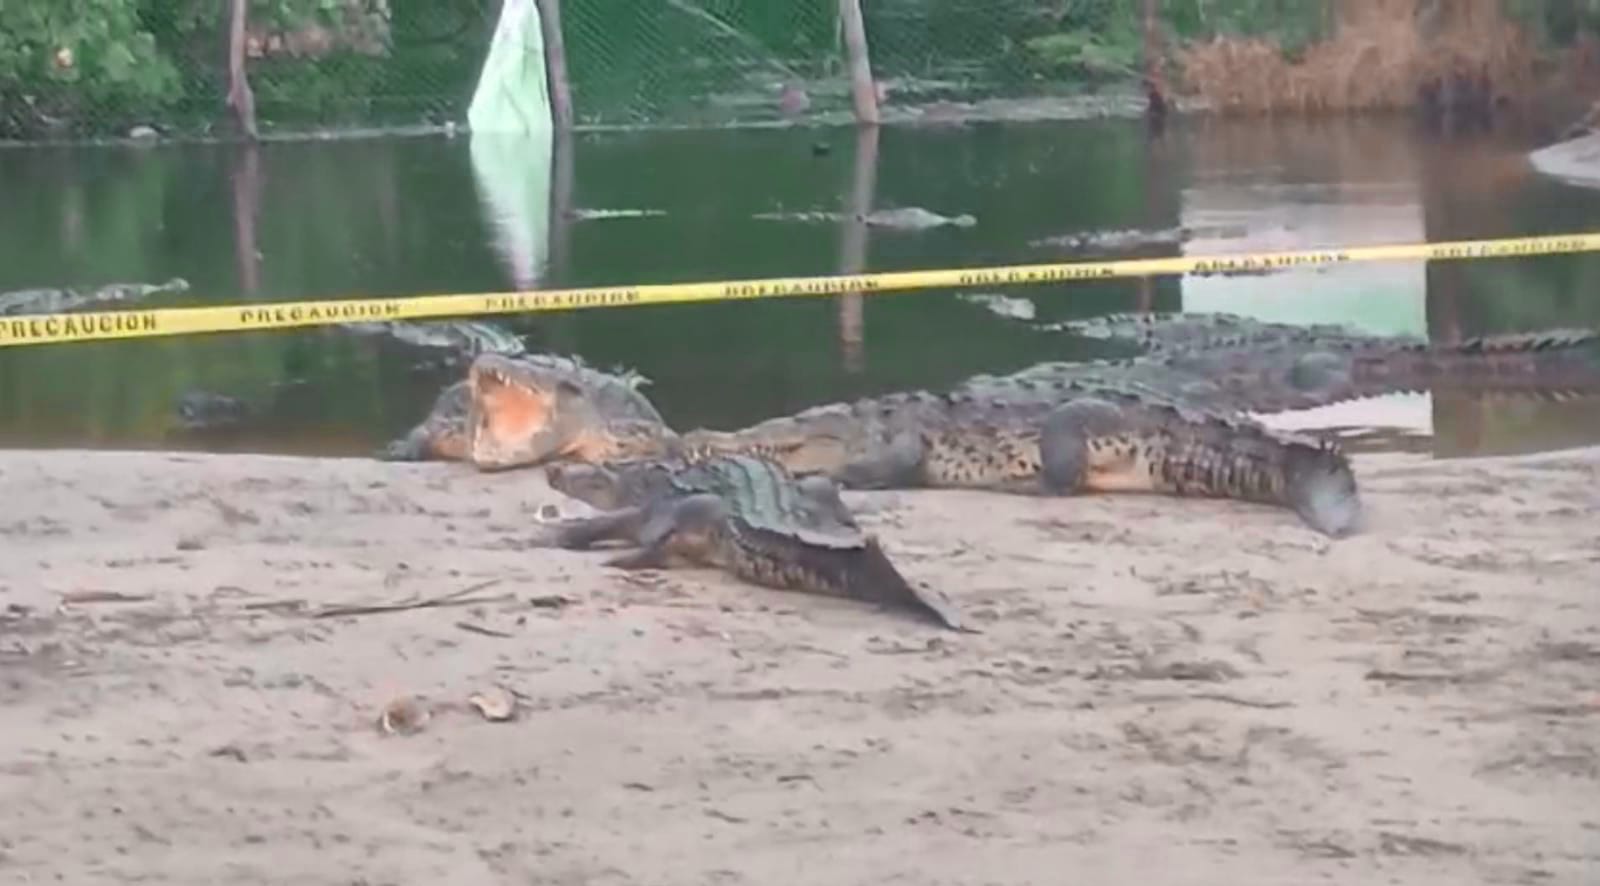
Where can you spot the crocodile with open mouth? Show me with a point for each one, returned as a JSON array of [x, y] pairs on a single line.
[[446, 432], [1047, 437], [1169, 422]]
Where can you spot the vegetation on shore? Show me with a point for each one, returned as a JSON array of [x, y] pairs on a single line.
[[89, 67]]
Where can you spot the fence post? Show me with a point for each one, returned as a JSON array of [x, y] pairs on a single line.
[[245, 177], [555, 63], [853, 246], [240, 98], [1155, 87], [862, 90]]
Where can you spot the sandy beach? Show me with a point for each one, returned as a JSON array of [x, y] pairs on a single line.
[[195, 656]]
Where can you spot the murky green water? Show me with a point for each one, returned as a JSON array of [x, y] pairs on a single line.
[[412, 216]]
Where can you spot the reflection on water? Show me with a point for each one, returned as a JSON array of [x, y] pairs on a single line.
[[513, 176], [1308, 187], [410, 216]]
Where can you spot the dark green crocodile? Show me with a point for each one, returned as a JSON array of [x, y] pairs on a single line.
[[70, 300], [1227, 363], [744, 514], [1053, 437]]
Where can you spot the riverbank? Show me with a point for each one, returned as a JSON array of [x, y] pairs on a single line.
[[195, 664]]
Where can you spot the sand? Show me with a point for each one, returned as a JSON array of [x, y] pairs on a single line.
[[1186, 691]]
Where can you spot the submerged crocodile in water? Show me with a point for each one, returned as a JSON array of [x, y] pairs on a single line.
[[68, 300], [466, 338], [909, 218], [1053, 437], [206, 412], [1135, 238], [446, 433], [744, 514]]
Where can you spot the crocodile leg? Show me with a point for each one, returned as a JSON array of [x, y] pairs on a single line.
[[897, 465], [427, 443], [679, 532], [823, 495], [581, 533], [1068, 440]]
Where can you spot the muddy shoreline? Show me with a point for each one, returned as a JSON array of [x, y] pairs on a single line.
[[1193, 691]]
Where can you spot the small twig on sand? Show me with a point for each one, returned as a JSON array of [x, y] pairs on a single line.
[[1223, 697], [458, 598], [103, 597], [480, 629], [275, 606], [1423, 677], [723, 816]]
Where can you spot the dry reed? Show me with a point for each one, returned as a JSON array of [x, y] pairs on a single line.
[[1382, 55]]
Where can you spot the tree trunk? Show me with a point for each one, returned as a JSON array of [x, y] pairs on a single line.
[[1155, 85], [863, 91], [240, 98], [555, 63], [561, 188]]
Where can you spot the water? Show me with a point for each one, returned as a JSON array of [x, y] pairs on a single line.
[[413, 216]]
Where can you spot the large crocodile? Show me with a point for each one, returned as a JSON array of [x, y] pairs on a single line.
[[1229, 363], [444, 434], [744, 514], [1052, 437]]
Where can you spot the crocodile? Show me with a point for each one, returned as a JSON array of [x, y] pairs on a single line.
[[446, 432], [1053, 437], [207, 412], [468, 337], [200, 410], [909, 218], [745, 514], [1136, 238], [1175, 420], [67, 300], [1224, 362]]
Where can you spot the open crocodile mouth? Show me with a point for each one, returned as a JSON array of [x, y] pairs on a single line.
[[509, 414]]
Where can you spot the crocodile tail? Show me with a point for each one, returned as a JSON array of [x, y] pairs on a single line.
[[871, 577], [1553, 364]]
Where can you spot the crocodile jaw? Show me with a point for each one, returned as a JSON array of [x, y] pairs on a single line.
[[522, 415], [517, 417]]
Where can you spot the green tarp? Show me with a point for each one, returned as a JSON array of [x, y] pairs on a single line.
[[513, 95], [512, 141]]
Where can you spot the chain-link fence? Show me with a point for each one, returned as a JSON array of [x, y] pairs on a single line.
[[71, 68]]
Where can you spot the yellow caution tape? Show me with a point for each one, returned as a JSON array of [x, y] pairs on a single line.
[[34, 329]]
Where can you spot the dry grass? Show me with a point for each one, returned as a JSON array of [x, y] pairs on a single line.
[[1382, 56]]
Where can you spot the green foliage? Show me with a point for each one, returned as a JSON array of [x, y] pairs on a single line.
[[1084, 54], [102, 66], [61, 59]]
